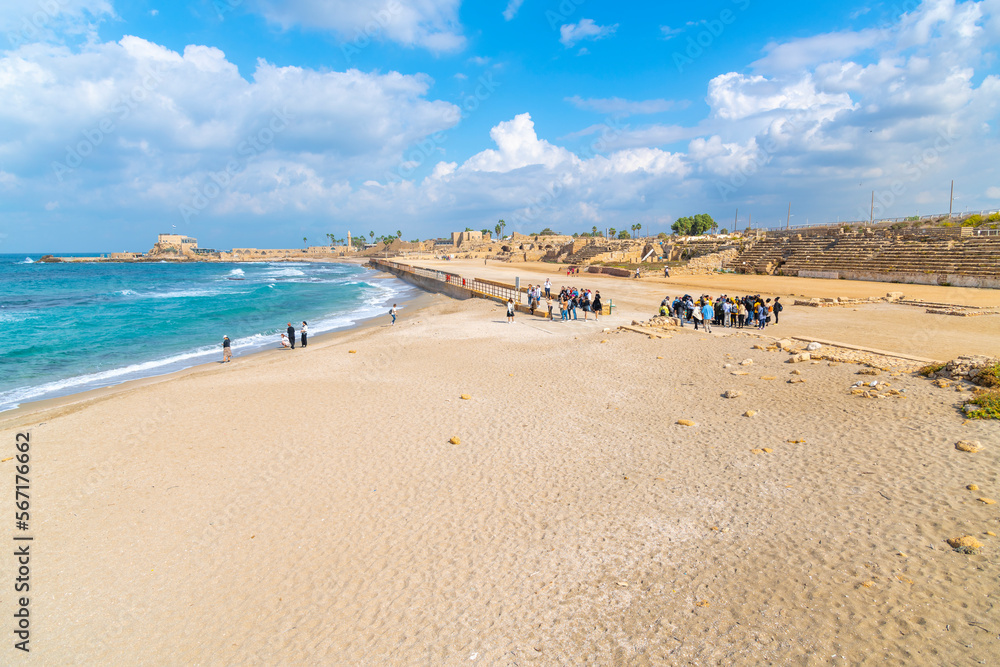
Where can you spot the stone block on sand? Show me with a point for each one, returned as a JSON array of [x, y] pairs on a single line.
[[971, 446]]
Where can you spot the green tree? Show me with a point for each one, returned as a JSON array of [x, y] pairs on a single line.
[[305, 241], [623, 235], [371, 235], [723, 231], [468, 229], [399, 234], [484, 232], [593, 231], [611, 232], [693, 226], [548, 232], [638, 227]]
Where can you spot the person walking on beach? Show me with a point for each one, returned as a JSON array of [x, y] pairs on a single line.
[[227, 352], [510, 311], [392, 311], [291, 335], [304, 331]]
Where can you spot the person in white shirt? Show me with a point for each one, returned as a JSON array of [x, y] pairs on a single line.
[[303, 332]]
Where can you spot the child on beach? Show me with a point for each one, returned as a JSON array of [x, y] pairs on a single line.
[[392, 311], [284, 341], [510, 311]]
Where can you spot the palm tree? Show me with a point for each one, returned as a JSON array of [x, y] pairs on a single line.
[[611, 232], [304, 241], [399, 235], [638, 226], [593, 231], [502, 225]]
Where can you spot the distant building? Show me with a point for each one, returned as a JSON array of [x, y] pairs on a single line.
[[458, 238], [174, 244]]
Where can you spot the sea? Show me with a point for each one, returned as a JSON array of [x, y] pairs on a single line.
[[71, 327]]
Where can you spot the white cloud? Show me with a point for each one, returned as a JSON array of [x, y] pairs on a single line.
[[50, 20], [430, 24], [669, 33], [511, 11], [618, 106], [734, 96], [993, 192], [799, 54], [133, 123], [571, 33]]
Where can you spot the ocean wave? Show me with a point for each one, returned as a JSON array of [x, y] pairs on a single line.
[[183, 294], [236, 272], [28, 260], [283, 272]]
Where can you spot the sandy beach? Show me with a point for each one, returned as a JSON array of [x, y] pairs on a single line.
[[308, 507]]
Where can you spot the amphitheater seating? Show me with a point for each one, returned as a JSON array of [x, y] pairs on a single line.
[[883, 252]]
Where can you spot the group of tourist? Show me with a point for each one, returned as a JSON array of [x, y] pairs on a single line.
[[724, 311], [288, 338], [569, 300]]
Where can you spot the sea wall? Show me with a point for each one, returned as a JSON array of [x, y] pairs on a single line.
[[455, 291]]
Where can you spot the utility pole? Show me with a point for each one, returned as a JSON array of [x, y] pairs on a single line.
[[788, 220], [951, 200], [871, 219]]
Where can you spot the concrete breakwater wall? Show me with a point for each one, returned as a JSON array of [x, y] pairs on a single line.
[[427, 279]]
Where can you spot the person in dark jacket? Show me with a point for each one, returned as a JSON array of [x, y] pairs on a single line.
[[227, 351], [291, 335]]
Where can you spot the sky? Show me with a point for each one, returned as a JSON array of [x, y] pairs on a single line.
[[260, 123]]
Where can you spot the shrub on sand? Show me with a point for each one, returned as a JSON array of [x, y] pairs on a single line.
[[930, 370], [988, 401]]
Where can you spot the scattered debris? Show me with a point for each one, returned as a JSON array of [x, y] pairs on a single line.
[[732, 393], [455, 440]]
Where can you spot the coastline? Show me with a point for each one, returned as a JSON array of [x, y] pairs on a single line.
[[18, 415]]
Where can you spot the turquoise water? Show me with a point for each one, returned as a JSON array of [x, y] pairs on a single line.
[[70, 327]]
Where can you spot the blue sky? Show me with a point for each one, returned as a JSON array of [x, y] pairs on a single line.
[[259, 122]]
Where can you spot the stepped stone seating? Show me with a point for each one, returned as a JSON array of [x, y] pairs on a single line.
[[937, 252]]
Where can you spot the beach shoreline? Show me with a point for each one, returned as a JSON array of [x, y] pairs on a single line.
[[418, 300]]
